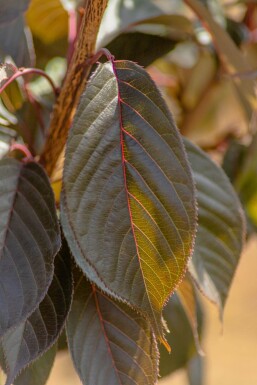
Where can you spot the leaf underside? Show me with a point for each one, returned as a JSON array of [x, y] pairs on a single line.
[[110, 343], [29, 240], [220, 234], [39, 332], [128, 206]]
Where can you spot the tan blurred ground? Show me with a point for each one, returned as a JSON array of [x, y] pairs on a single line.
[[231, 358]]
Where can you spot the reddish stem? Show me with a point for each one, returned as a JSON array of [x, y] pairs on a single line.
[[102, 52], [72, 33], [26, 71], [22, 148]]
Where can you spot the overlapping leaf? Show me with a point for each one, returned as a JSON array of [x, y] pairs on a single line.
[[180, 337], [220, 233], [128, 206], [30, 339], [29, 239], [187, 296], [109, 342], [38, 372]]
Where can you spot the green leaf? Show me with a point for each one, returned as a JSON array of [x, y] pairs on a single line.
[[12, 9], [38, 372], [109, 342], [39, 332], [16, 41], [221, 229], [29, 240], [180, 337], [128, 205]]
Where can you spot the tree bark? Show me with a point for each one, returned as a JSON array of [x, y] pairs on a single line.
[[74, 84]]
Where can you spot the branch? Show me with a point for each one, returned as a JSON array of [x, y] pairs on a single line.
[[74, 83]]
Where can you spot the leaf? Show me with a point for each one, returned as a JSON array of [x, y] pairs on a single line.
[[180, 337], [7, 70], [123, 14], [187, 295], [195, 371], [109, 342], [221, 229], [29, 240], [47, 20], [11, 96], [12, 9], [16, 41], [39, 371], [40, 331], [139, 47], [128, 205]]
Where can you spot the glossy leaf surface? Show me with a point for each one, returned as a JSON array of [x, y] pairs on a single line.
[[29, 239], [109, 342], [128, 205], [31, 339], [220, 234]]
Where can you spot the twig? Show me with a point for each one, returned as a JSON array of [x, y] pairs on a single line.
[[74, 83]]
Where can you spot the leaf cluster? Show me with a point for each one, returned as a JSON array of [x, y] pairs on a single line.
[[116, 246]]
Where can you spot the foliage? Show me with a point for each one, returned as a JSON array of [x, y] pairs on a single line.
[[118, 242]]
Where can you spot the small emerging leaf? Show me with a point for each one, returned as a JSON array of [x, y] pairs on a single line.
[[29, 240], [128, 205], [221, 229], [109, 342], [30, 339]]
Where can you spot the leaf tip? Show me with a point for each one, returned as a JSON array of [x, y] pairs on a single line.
[[165, 344]]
